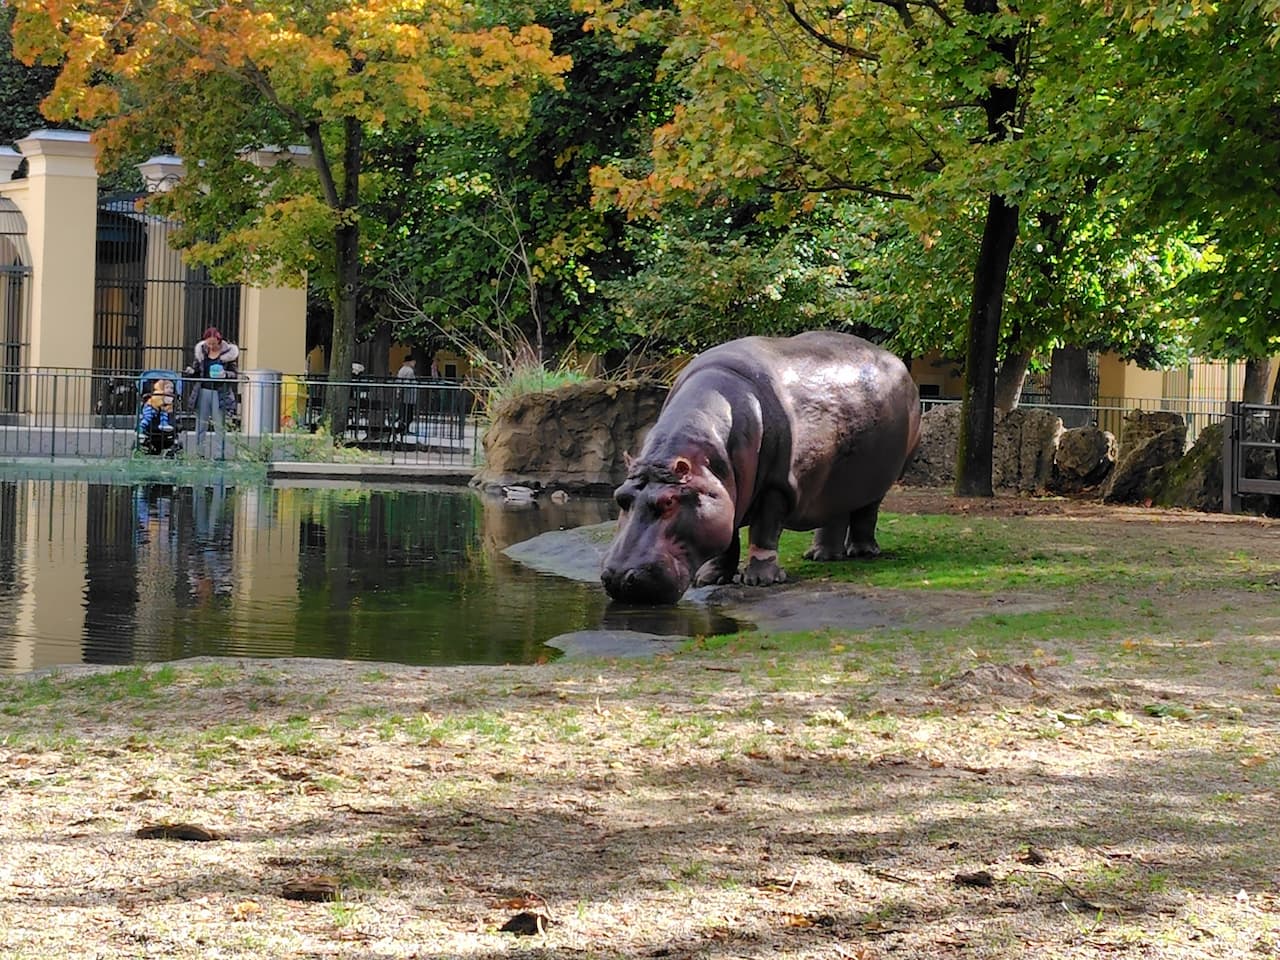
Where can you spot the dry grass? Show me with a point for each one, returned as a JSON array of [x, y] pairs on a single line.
[[806, 796]]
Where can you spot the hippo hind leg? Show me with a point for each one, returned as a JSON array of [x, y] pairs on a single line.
[[861, 540], [829, 543]]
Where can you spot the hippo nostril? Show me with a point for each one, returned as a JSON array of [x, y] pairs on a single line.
[[630, 579]]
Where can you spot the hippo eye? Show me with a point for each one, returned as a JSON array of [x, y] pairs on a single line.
[[666, 504]]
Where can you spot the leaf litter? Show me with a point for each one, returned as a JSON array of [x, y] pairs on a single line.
[[1109, 799]]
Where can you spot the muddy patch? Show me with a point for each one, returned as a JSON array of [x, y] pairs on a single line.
[[705, 611]]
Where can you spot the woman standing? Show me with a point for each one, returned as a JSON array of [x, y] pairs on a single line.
[[215, 370]]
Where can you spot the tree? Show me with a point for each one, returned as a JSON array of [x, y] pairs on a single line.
[[1196, 107], [216, 82], [22, 87], [500, 231], [934, 106]]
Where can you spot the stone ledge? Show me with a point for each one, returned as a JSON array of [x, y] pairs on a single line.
[[454, 475]]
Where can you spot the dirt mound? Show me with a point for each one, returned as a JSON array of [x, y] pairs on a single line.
[[1000, 680]]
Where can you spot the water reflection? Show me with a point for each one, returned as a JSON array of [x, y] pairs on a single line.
[[685, 619], [102, 572]]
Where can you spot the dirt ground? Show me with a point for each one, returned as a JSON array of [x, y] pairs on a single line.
[[856, 794]]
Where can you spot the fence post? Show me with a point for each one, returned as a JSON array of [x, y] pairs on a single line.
[[53, 421], [1230, 453]]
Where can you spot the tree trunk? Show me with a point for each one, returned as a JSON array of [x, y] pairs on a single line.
[[1257, 374], [977, 409], [347, 257], [1069, 385], [1010, 378]]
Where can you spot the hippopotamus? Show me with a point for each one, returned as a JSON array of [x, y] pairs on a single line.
[[803, 433]]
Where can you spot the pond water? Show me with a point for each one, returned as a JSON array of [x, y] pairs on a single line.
[[119, 573]]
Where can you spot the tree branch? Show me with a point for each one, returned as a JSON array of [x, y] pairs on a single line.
[[846, 186], [829, 42]]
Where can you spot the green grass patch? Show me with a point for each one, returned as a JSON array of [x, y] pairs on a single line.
[[991, 554], [131, 683], [19, 697]]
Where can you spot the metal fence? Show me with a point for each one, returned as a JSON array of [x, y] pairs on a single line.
[[1250, 453], [79, 413], [1109, 412], [149, 305]]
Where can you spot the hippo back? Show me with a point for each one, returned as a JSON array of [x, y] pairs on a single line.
[[840, 417]]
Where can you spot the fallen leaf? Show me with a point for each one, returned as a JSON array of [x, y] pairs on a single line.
[[315, 888], [177, 831], [245, 909], [526, 924]]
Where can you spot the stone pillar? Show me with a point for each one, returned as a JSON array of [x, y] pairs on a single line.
[[163, 319], [60, 204], [273, 319], [10, 160], [273, 328]]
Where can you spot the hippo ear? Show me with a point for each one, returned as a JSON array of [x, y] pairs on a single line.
[[682, 468], [628, 460]]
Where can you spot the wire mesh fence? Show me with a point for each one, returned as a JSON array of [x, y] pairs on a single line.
[[61, 412]]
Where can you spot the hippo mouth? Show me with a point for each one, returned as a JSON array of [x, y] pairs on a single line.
[[653, 583]]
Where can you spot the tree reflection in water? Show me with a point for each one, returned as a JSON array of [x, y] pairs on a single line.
[[171, 571]]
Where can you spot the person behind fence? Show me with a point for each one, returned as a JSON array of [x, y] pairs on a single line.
[[214, 370], [408, 394], [157, 409]]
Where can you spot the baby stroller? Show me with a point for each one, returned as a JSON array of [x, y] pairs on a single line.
[[158, 410]]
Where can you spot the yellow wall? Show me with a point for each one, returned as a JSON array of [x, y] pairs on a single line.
[[273, 328], [1119, 378], [934, 370], [59, 201]]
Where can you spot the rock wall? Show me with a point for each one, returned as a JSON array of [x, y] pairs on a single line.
[[571, 438], [1150, 444], [1085, 458], [1023, 450], [934, 464], [1022, 454], [1195, 481]]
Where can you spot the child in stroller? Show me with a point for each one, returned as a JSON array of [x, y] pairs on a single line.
[[157, 416]]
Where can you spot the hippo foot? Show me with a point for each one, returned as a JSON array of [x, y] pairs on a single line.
[[863, 551], [712, 578], [824, 553], [762, 573]]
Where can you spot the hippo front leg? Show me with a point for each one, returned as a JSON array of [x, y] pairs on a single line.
[[762, 549], [721, 569]]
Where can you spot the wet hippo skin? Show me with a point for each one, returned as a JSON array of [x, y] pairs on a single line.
[[800, 433]]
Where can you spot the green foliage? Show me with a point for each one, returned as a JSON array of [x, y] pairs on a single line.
[[526, 380], [1075, 279], [708, 276], [493, 235], [22, 87], [1191, 118]]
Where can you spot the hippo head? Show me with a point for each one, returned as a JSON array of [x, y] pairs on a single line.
[[675, 516]]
